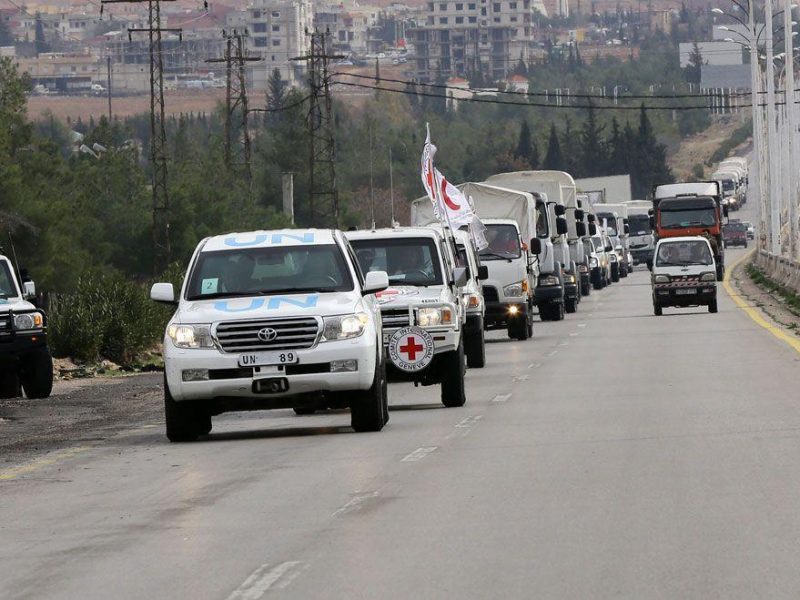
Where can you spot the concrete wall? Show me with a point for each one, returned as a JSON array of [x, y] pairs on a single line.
[[781, 270]]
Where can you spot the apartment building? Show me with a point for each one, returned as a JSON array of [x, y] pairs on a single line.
[[278, 32], [462, 36], [352, 26]]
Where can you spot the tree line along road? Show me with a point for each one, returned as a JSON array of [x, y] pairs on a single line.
[[616, 454]]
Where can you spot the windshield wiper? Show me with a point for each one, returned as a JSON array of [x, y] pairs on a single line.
[[508, 256]]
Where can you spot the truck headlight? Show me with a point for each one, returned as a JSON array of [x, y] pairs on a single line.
[[190, 336], [29, 321], [431, 317], [710, 276], [569, 278], [515, 289], [593, 262], [548, 280], [661, 278], [344, 327]]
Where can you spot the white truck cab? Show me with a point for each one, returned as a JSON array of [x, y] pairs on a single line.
[[25, 361], [273, 319], [617, 228], [422, 309], [641, 238], [684, 274], [472, 296]]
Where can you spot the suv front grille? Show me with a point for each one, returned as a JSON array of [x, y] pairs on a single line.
[[5, 324], [292, 334], [394, 318]]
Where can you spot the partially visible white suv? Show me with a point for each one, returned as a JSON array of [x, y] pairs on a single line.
[[273, 319]]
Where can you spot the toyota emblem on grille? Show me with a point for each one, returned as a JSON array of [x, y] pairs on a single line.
[[268, 334]]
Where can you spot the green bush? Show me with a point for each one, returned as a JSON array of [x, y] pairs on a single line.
[[106, 316]]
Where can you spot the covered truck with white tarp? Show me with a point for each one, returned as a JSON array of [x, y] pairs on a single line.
[[510, 218]]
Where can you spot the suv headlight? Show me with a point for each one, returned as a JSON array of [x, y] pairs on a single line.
[[710, 276], [661, 278], [344, 327], [548, 280], [190, 336], [29, 321], [515, 289], [431, 317]]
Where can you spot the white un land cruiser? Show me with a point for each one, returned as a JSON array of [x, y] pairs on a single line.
[[423, 311], [273, 319]]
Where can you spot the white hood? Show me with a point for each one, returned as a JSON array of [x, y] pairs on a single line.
[[266, 307], [403, 296], [15, 304]]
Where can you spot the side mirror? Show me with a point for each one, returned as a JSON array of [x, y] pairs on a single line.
[[560, 210], [561, 226], [375, 281], [592, 218], [536, 246], [592, 229], [483, 273], [163, 292], [627, 228], [578, 214], [652, 222], [459, 276], [29, 289], [580, 228]]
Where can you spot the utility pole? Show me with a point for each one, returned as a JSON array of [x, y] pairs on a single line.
[[323, 193], [236, 103], [158, 134], [108, 86]]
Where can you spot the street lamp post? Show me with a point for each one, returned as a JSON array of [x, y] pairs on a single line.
[[772, 165], [791, 128]]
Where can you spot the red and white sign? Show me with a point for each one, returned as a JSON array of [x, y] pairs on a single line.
[[410, 349]]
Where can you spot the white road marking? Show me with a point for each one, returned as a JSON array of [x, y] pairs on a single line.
[[261, 580], [534, 365], [464, 427], [468, 421], [419, 454], [551, 353], [574, 333], [582, 324], [564, 344], [355, 503], [501, 398], [520, 378]]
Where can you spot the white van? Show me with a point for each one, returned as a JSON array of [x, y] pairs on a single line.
[[684, 274]]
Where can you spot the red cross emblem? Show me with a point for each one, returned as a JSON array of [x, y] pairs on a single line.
[[411, 348]]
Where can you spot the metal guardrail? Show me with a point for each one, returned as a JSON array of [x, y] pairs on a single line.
[[781, 270]]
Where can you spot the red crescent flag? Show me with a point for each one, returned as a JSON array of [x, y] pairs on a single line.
[[428, 172]]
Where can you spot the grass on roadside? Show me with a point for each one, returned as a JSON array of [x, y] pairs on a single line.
[[790, 299]]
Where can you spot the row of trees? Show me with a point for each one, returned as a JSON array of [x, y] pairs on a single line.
[[595, 150]]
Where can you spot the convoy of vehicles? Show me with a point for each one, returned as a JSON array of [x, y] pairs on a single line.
[[689, 209], [641, 240], [684, 274], [25, 361], [734, 233], [615, 217]]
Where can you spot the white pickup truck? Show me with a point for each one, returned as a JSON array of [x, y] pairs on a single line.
[[25, 360], [273, 319], [422, 310]]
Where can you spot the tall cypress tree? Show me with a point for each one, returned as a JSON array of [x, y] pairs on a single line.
[[618, 156], [553, 160], [526, 146], [651, 157], [570, 161], [593, 151]]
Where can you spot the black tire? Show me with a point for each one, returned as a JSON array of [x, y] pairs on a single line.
[[615, 273], [454, 368], [9, 384], [36, 375], [368, 411], [558, 312], [185, 421], [476, 350], [519, 328], [623, 271], [712, 306], [571, 305], [302, 411], [720, 272], [657, 310], [586, 289]]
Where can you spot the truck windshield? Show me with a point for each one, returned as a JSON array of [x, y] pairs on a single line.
[[7, 286], [727, 185], [684, 253], [503, 243], [689, 217], [598, 244], [264, 271], [408, 261], [611, 222], [639, 224]]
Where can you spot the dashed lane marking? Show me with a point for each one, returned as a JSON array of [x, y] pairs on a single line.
[[534, 365], [40, 463], [261, 580], [520, 378], [355, 503], [551, 353], [753, 312], [582, 324], [418, 454], [501, 398], [574, 334]]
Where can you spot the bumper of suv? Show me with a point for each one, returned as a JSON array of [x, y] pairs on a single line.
[[499, 312], [548, 294], [671, 296], [316, 371], [19, 345]]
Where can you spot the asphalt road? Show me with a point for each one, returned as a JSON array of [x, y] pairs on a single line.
[[616, 454]]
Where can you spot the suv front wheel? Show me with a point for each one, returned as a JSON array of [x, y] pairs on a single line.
[[186, 421], [369, 410], [453, 392]]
